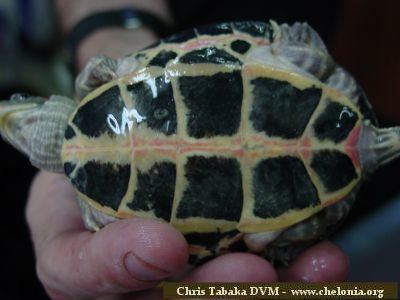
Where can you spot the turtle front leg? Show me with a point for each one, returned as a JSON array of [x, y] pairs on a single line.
[[93, 219], [100, 70]]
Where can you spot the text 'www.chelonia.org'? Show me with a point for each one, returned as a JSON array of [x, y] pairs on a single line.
[[347, 290]]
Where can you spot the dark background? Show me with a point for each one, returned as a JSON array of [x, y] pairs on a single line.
[[363, 36]]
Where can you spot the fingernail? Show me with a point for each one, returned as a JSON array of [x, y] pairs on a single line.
[[142, 270]]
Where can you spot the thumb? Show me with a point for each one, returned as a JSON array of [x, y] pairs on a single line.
[[127, 255]]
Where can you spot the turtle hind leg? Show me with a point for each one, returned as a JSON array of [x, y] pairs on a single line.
[[301, 46], [297, 238], [100, 70]]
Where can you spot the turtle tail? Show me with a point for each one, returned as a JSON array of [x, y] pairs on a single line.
[[36, 126], [378, 146]]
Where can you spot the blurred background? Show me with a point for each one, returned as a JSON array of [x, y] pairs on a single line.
[[363, 36]]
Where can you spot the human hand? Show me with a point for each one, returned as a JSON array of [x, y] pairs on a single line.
[[74, 263]]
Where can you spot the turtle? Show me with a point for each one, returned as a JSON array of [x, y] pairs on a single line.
[[245, 136]]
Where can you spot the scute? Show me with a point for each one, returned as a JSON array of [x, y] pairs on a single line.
[[105, 183], [215, 29], [281, 184], [162, 58], [181, 37], [69, 133], [214, 103], [335, 122], [155, 190], [69, 168], [280, 109], [214, 189], [91, 117], [334, 168], [211, 55], [154, 101], [212, 243], [257, 29]]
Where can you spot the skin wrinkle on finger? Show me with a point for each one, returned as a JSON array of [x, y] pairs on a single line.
[[146, 240]]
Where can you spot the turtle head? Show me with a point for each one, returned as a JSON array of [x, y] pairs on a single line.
[[35, 126]]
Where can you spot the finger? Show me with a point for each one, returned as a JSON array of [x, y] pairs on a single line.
[[323, 262], [51, 208], [127, 255], [235, 267]]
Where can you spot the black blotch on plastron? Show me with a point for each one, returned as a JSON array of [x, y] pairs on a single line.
[[105, 183], [239, 246], [240, 46], [256, 29], [281, 184], [211, 55], [335, 122], [214, 103], [193, 259], [209, 240], [280, 109], [155, 101], [69, 168], [162, 58], [91, 118], [196, 260], [215, 29], [69, 133], [214, 189], [335, 169], [155, 190], [181, 37]]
